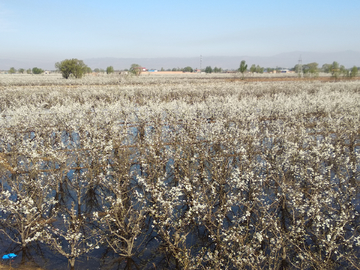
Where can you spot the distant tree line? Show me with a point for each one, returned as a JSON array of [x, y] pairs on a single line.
[[34, 70], [256, 69], [76, 68], [209, 69], [336, 70]]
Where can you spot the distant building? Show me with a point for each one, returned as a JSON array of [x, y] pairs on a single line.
[[283, 70]]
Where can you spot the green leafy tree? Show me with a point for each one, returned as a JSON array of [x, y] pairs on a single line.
[[36, 70], [311, 69], [344, 71], [109, 70], [259, 69], [208, 69], [335, 70], [28, 71], [96, 70], [253, 68], [12, 70], [216, 70], [243, 68], [135, 69], [88, 69], [188, 69], [21, 70], [297, 69], [174, 69], [354, 72], [71, 67], [326, 68]]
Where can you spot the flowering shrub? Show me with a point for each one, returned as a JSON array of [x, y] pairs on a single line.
[[184, 173]]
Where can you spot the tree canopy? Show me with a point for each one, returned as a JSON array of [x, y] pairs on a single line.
[[253, 68], [188, 69], [37, 70], [256, 69], [326, 68], [217, 70], [353, 72], [259, 69], [208, 69], [243, 67], [71, 67], [135, 69], [88, 69], [12, 70], [311, 69], [335, 70], [109, 70]]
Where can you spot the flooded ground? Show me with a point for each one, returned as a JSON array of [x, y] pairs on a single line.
[[177, 173]]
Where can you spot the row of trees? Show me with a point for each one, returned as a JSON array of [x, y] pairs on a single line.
[[34, 70], [209, 69], [65, 65], [253, 69], [310, 69], [68, 68], [256, 69], [77, 68], [336, 70]]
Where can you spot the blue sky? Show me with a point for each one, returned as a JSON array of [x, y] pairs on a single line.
[[59, 29]]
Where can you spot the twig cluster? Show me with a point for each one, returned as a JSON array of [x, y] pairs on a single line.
[[188, 175]]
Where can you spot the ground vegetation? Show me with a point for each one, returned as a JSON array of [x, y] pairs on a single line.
[[181, 173]]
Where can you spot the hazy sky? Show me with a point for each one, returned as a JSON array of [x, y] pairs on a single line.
[[59, 29]]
